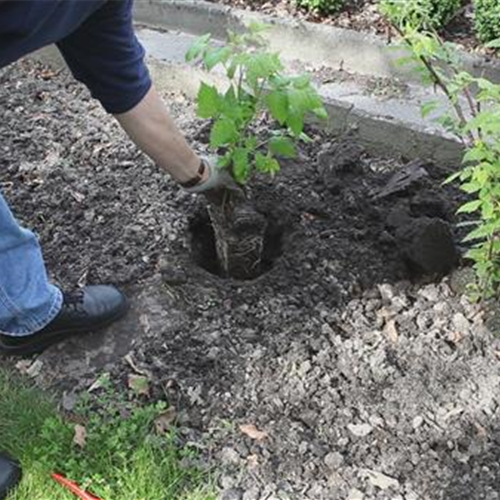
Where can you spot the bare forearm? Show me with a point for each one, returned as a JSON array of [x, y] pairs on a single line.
[[150, 126]]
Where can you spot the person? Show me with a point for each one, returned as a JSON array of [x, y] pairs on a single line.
[[98, 43]]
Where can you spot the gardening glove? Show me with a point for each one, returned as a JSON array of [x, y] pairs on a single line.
[[218, 183]]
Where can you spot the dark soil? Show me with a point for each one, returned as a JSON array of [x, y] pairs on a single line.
[[105, 214], [363, 15], [350, 378]]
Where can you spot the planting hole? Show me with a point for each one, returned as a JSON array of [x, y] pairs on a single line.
[[204, 252]]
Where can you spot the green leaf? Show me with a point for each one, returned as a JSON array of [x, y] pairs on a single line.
[[223, 133], [303, 100], [251, 143], [469, 207], [452, 178], [321, 113], [483, 231], [470, 187], [198, 47], [216, 56], [305, 138], [231, 70], [428, 108], [495, 44], [277, 102], [302, 81], [208, 101], [266, 164], [296, 123], [223, 161], [241, 165], [231, 106], [404, 61], [282, 146], [474, 155], [262, 66]]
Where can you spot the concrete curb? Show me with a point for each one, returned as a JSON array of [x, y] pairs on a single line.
[[313, 43]]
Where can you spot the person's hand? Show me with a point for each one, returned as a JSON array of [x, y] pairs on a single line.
[[218, 183]]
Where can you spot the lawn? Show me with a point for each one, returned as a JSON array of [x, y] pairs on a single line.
[[117, 455]]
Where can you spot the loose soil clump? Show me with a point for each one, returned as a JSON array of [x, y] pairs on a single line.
[[352, 375]]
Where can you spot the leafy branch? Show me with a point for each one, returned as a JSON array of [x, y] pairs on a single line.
[[439, 64], [258, 89]]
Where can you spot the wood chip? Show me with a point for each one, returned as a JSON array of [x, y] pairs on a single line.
[[253, 461], [381, 480], [252, 432], [391, 331]]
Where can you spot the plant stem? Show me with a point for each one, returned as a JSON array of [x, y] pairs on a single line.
[[438, 81], [473, 107]]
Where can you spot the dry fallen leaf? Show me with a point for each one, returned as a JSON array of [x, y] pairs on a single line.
[[455, 337], [481, 431], [79, 197], [130, 360], [165, 420], [101, 381], [139, 384], [253, 461], [23, 366], [252, 432], [392, 331], [80, 438], [35, 369]]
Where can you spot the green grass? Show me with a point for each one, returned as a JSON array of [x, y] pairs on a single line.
[[123, 458]]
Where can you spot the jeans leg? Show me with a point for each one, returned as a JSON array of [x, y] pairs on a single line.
[[28, 301]]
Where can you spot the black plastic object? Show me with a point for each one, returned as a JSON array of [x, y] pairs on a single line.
[[10, 475]]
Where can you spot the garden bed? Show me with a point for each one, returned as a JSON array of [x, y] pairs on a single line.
[[367, 380], [364, 16]]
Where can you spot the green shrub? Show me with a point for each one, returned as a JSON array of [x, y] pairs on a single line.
[[258, 88], [420, 13], [487, 19], [322, 6], [473, 116]]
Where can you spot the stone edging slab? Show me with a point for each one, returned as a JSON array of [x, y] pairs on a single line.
[[317, 44]]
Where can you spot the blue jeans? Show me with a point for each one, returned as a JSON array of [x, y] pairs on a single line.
[[28, 301]]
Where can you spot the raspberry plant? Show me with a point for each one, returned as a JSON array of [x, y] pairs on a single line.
[[322, 6], [420, 13], [487, 19], [258, 89], [474, 117]]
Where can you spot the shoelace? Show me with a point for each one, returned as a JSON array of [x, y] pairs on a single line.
[[74, 301]]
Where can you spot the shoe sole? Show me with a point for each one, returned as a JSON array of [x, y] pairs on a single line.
[[37, 347]]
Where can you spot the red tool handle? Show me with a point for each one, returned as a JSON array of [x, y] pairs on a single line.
[[73, 487]]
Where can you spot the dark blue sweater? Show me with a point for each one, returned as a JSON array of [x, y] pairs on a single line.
[[96, 38]]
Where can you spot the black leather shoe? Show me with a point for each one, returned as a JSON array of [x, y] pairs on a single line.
[[87, 310], [10, 475]]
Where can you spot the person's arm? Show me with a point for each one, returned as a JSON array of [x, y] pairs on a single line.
[[104, 54], [149, 125]]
